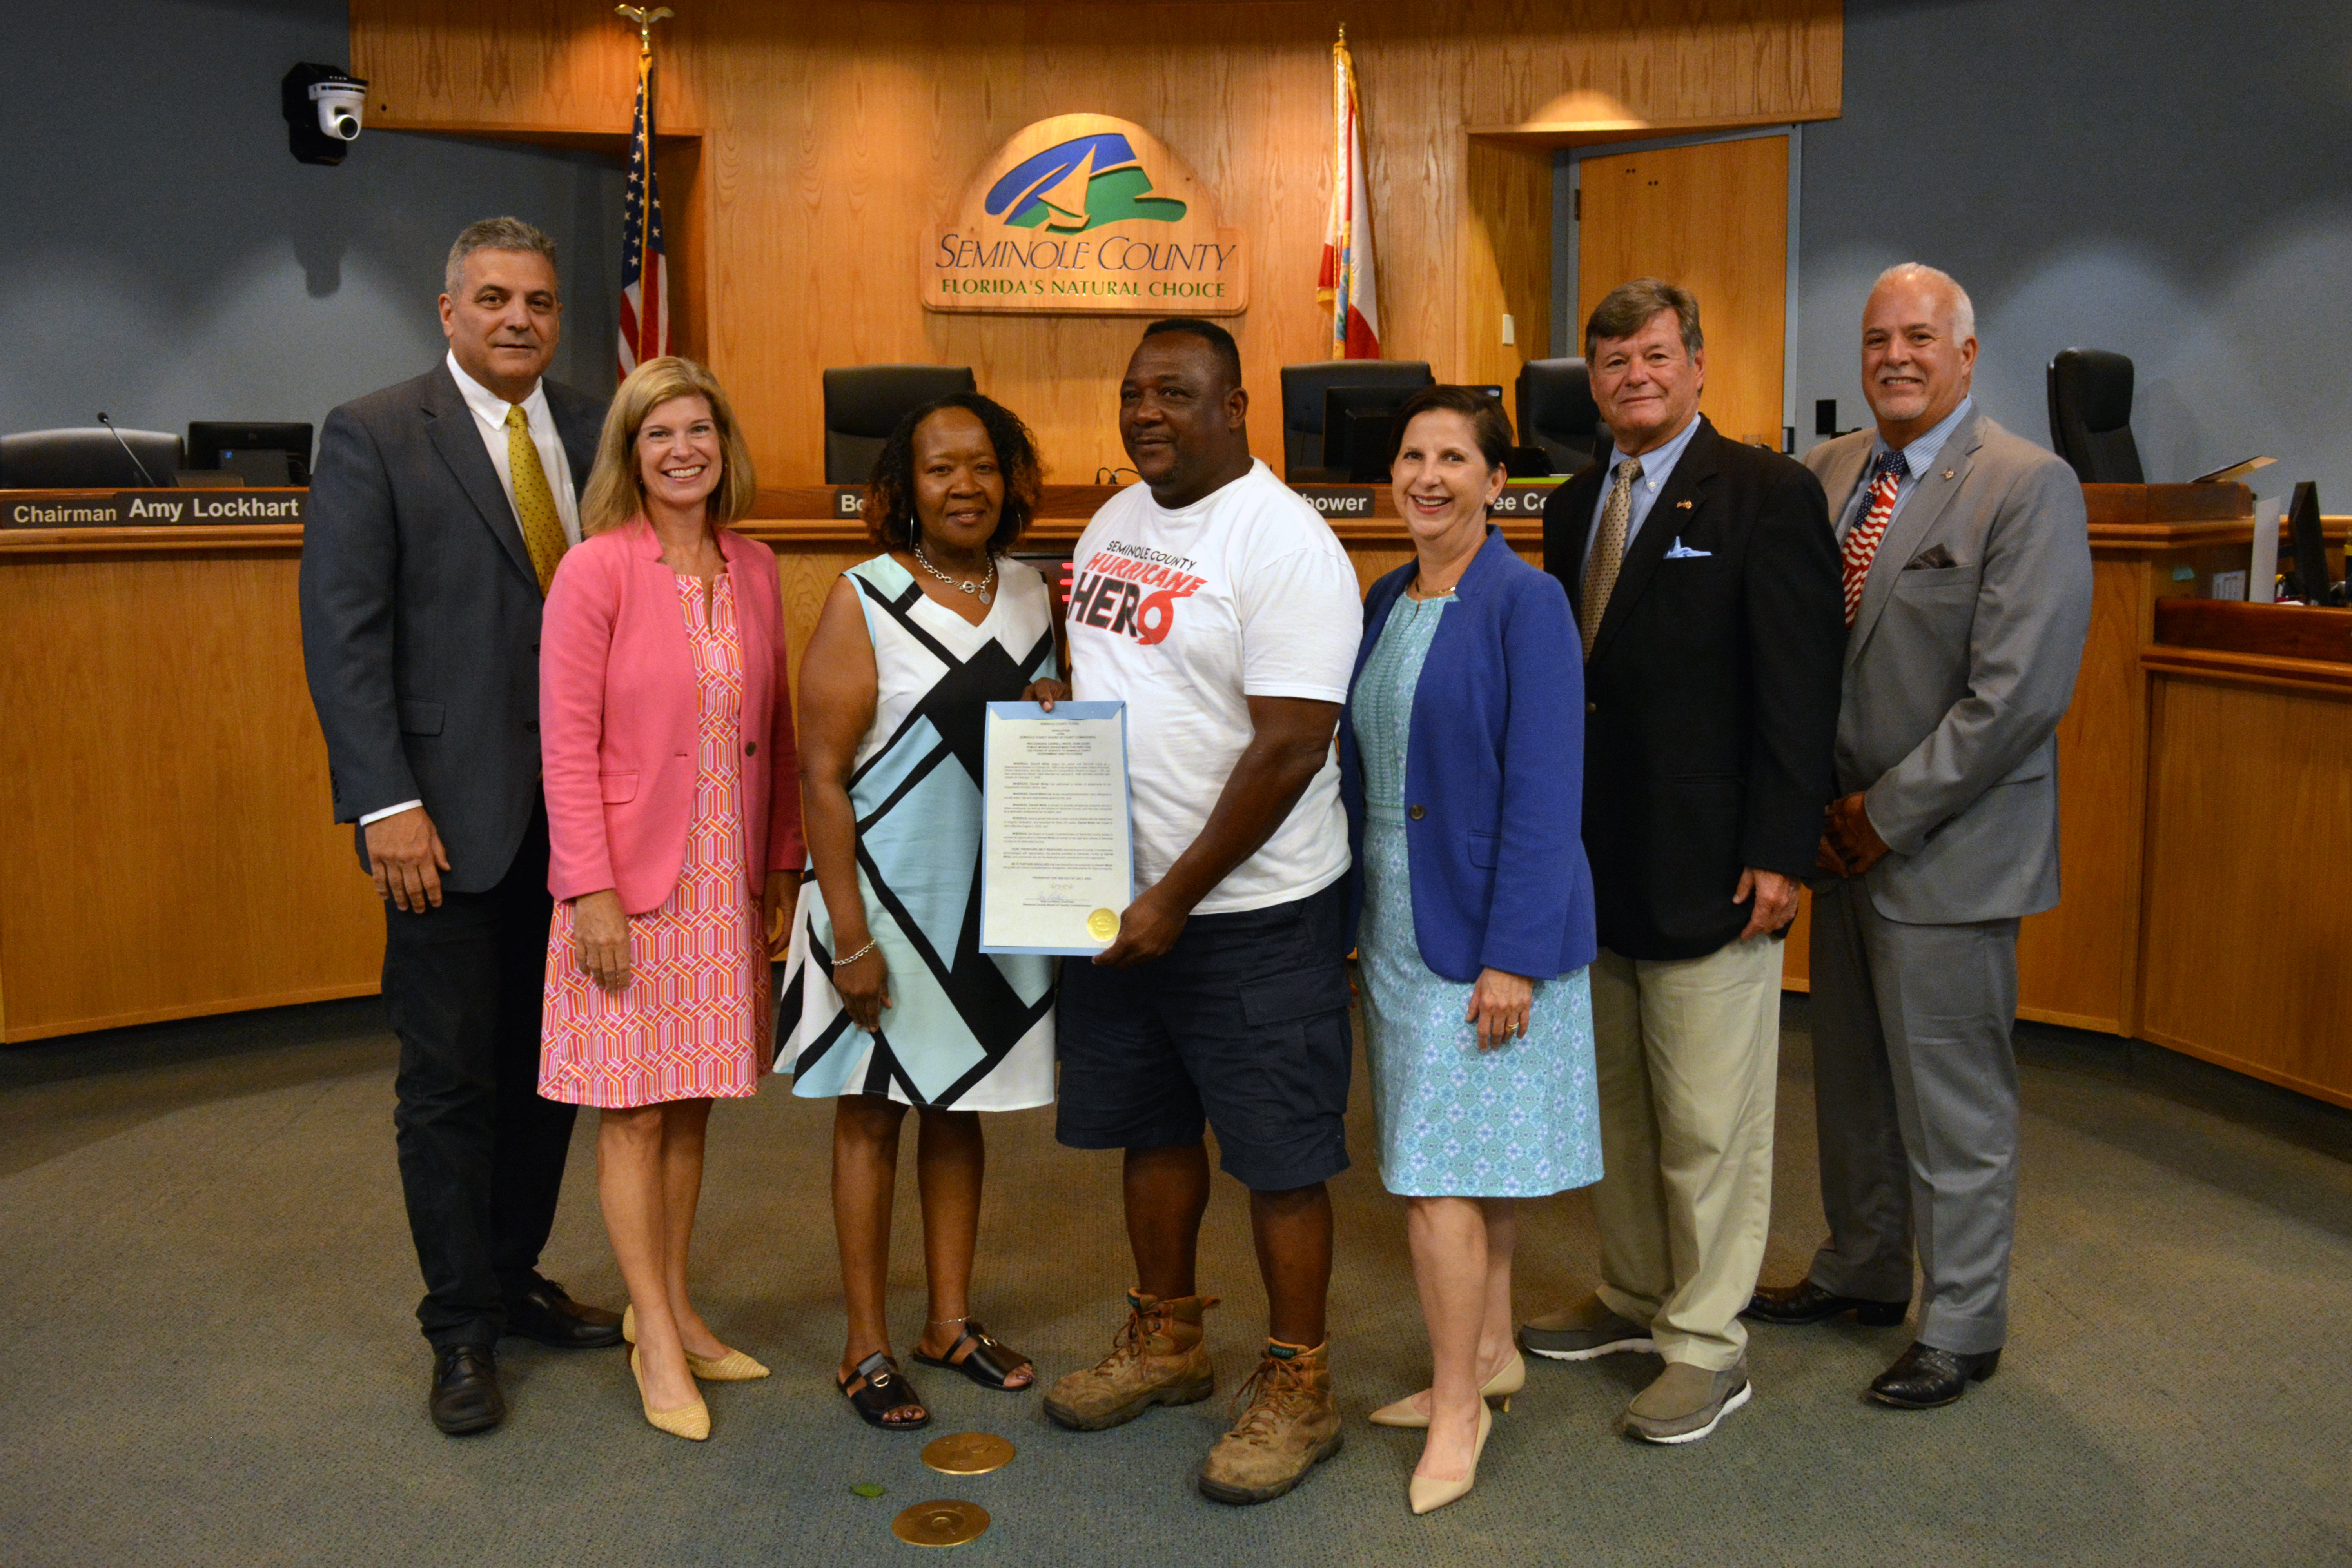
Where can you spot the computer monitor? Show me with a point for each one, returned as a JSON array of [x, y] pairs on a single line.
[[2315, 583], [1356, 428], [265, 455]]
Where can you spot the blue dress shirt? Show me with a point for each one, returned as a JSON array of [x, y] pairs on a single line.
[[1657, 468], [1920, 455]]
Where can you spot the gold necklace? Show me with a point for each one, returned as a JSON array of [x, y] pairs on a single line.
[[1421, 591]]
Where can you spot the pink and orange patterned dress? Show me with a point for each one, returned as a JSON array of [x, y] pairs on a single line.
[[693, 1020]]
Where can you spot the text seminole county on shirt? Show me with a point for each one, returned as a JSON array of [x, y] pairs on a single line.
[[1132, 590]]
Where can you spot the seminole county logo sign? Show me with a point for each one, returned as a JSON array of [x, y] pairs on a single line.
[[1084, 215]]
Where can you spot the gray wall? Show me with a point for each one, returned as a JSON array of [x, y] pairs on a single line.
[[166, 259], [2168, 178]]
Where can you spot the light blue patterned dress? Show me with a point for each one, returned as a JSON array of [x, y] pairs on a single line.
[[1519, 1122]]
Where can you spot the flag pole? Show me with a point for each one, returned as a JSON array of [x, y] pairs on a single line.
[[646, 306], [1347, 280]]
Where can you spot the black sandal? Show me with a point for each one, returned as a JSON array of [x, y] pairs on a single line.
[[989, 1362], [885, 1391]]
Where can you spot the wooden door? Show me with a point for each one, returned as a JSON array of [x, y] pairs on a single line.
[[1714, 219]]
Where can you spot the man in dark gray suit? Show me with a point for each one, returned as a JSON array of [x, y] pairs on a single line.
[[1967, 580], [438, 511]]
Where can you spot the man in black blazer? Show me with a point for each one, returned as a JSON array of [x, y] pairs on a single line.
[[438, 511], [1706, 580]]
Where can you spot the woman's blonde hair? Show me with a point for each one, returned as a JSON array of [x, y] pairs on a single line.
[[616, 486]]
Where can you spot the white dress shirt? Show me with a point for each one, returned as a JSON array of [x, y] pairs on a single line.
[[490, 410]]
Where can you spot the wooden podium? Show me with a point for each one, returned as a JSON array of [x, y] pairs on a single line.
[[2245, 927], [167, 849]]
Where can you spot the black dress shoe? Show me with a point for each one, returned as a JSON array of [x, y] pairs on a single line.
[[1806, 1302], [1924, 1377], [466, 1397], [546, 1313]]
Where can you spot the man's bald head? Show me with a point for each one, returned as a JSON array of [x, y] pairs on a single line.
[[1940, 284]]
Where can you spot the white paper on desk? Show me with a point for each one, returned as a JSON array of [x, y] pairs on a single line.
[[1057, 853], [2262, 577]]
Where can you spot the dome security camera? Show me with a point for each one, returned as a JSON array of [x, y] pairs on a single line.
[[323, 106], [341, 102]]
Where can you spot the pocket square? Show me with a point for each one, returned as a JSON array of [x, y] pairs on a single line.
[[1930, 558], [1681, 552]]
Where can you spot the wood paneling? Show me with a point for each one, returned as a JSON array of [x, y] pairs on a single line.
[[169, 850], [2280, 631], [1715, 220], [1505, 249], [2250, 822], [834, 135], [2076, 963]]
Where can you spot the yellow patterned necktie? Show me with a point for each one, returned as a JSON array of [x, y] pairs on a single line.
[[1608, 552], [542, 526]]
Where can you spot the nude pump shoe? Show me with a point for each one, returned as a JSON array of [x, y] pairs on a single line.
[[1428, 1495], [1508, 1379], [692, 1422], [733, 1367]]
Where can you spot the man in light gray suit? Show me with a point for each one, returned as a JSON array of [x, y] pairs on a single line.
[[1968, 583]]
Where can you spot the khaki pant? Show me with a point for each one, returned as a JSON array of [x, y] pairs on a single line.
[[1688, 1054]]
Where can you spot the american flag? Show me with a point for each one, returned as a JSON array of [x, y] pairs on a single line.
[[644, 271]]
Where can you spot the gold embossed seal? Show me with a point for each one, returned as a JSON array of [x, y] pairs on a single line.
[[968, 1454], [1102, 925], [942, 1523]]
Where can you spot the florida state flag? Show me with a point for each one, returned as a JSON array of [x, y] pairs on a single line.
[[1347, 283]]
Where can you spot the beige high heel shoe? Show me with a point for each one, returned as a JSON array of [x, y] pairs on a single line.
[[692, 1422], [1427, 1495], [733, 1367], [1508, 1379]]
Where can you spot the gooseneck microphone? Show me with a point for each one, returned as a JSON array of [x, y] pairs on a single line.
[[127, 452]]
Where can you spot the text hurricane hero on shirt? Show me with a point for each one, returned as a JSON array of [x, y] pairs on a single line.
[[1128, 588]]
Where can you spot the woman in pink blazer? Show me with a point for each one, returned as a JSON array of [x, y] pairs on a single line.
[[673, 811]]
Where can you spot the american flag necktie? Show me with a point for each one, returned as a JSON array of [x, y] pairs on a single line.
[[1861, 539]]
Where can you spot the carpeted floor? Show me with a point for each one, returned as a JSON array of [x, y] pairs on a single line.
[[210, 1357]]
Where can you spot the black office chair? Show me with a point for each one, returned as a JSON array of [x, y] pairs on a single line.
[[1557, 413], [1303, 386], [2090, 417], [864, 402], [89, 459]]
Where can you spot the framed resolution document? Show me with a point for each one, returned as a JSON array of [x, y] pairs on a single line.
[[1057, 856]]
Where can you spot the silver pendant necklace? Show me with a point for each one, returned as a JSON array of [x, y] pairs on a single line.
[[985, 590]]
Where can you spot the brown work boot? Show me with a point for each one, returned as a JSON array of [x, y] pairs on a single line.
[[1157, 1359], [1292, 1425]]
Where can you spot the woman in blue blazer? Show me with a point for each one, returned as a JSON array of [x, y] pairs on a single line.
[[1461, 756]]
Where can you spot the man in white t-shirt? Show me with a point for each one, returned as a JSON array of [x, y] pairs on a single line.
[[1221, 609]]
